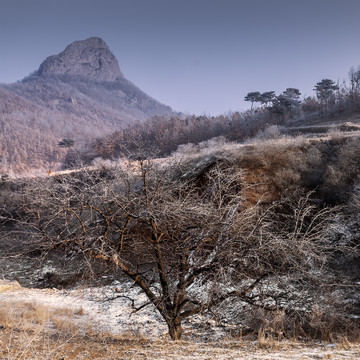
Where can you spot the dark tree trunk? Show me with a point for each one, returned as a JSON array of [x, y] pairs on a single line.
[[175, 329]]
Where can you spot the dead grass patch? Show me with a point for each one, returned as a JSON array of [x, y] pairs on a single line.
[[36, 341], [8, 285]]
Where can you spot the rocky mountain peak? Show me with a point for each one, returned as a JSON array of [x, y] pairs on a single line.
[[90, 58]]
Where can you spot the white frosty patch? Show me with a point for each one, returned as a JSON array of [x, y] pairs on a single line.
[[108, 308]]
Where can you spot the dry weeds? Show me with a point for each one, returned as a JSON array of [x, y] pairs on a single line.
[[34, 331]]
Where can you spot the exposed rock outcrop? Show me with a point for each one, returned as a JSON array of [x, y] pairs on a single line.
[[90, 58]]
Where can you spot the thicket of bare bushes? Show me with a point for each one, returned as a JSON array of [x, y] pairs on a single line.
[[227, 238], [161, 136]]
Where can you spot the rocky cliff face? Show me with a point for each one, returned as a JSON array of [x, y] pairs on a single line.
[[89, 58]]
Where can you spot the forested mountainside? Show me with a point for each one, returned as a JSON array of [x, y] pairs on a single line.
[[79, 93]]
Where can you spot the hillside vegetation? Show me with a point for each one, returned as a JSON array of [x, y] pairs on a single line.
[[38, 112], [335, 107], [240, 235]]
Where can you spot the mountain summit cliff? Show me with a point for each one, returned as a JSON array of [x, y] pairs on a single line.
[[90, 58]]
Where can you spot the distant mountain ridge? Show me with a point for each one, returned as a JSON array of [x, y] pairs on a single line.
[[79, 93]]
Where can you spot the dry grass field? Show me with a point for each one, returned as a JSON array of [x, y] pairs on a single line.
[[35, 330]]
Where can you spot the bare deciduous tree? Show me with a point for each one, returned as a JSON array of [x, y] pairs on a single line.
[[189, 242]]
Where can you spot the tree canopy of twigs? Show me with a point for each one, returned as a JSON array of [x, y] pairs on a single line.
[[189, 243]]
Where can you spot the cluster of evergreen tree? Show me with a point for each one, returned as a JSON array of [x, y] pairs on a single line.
[[330, 99]]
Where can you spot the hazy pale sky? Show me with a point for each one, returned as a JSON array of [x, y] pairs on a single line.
[[197, 56]]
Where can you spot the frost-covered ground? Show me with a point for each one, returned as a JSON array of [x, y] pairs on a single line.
[[117, 317], [110, 309]]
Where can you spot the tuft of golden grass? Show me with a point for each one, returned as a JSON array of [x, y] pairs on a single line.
[[270, 341], [343, 343], [33, 331], [8, 285]]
